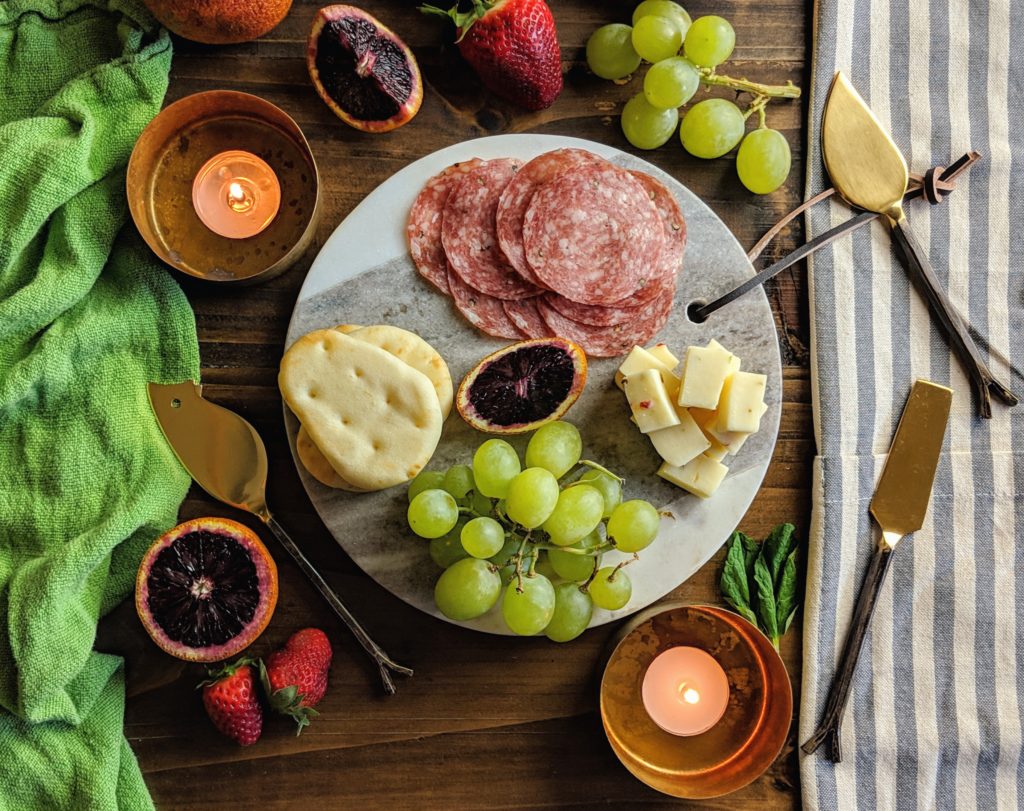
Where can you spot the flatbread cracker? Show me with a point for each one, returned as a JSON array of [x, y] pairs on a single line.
[[316, 463], [376, 419], [411, 348]]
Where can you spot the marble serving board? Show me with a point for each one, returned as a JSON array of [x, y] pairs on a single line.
[[363, 275]]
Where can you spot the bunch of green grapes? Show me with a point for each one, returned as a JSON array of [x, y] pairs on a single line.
[[685, 53], [532, 537]]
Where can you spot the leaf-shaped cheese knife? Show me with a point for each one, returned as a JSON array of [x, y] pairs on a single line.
[[869, 172], [227, 458], [899, 506]]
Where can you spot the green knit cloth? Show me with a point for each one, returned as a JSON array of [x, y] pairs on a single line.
[[87, 318]]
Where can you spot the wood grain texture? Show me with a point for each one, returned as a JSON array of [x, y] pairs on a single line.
[[486, 722]]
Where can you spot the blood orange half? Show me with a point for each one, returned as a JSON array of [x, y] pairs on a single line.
[[206, 589]]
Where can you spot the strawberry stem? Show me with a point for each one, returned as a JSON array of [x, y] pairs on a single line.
[[463, 19]]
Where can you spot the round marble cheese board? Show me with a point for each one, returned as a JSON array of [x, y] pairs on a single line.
[[363, 275]]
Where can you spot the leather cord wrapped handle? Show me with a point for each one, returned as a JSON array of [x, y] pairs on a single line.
[[920, 271], [832, 719]]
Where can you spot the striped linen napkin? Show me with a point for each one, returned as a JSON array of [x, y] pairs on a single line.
[[935, 714]]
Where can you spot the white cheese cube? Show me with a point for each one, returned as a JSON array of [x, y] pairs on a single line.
[[717, 451], [704, 374], [649, 401], [734, 364], [740, 406], [672, 384], [702, 476], [639, 360], [732, 440], [662, 353], [678, 444]]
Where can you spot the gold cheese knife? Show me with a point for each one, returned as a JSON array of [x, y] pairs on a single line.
[[869, 172], [226, 457], [898, 506]]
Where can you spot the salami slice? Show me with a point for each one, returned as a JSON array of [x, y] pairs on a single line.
[[424, 227], [608, 342], [672, 217], [516, 198], [589, 234], [599, 315], [469, 233], [525, 315], [482, 311]]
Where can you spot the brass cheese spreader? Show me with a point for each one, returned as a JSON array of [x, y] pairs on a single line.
[[869, 172], [227, 458], [899, 506]]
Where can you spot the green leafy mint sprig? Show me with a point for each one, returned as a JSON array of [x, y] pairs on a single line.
[[760, 580]]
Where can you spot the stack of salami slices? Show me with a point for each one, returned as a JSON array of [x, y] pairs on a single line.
[[567, 244]]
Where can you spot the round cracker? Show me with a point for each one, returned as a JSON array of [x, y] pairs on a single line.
[[316, 463], [411, 348], [376, 419]]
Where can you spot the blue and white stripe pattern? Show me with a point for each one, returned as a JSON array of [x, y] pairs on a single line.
[[935, 715]]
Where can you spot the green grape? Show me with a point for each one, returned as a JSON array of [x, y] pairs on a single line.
[[482, 537], [633, 525], [556, 447], [528, 612], [432, 513], [763, 161], [573, 609], [671, 83], [544, 567], [447, 549], [610, 593], [656, 38], [458, 481], [480, 504], [508, 549], [663, 8], [609, 487], [576, 567], [425, 480], [710, 41], [532, 496], [495, 464], [467, 589], [645, 126], [610, 52], [576, 515], [711, 128]]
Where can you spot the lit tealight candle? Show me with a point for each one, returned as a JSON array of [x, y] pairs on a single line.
[[685, 691], [236, 194]]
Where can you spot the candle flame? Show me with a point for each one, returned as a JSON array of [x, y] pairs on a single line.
[[688, 694], [236, 192], [240, 199]]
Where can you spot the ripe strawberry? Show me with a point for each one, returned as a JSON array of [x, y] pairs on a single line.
[[513, 47], [231, 701], [295, 677]]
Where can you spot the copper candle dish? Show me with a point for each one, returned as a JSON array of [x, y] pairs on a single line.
[[174, 147], [734, 752]]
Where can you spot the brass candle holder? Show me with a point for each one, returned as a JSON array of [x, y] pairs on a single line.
[[172, 150], [734, 752]]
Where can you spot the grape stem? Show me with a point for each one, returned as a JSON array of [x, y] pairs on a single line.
[[591, 552], [757, 106], [774, 91], [518, 557], [615, 571], [606, 471]]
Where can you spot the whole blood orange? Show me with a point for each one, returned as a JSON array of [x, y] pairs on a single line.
[[362, 70], [219, 22], [206, 589]]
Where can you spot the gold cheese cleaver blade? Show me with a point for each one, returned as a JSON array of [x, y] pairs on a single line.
[[226, 457], [869, 172], [899, 506]]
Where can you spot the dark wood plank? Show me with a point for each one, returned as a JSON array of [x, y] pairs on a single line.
[[486, 722]]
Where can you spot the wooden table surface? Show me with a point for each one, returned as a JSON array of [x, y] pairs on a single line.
[[487, 722]]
